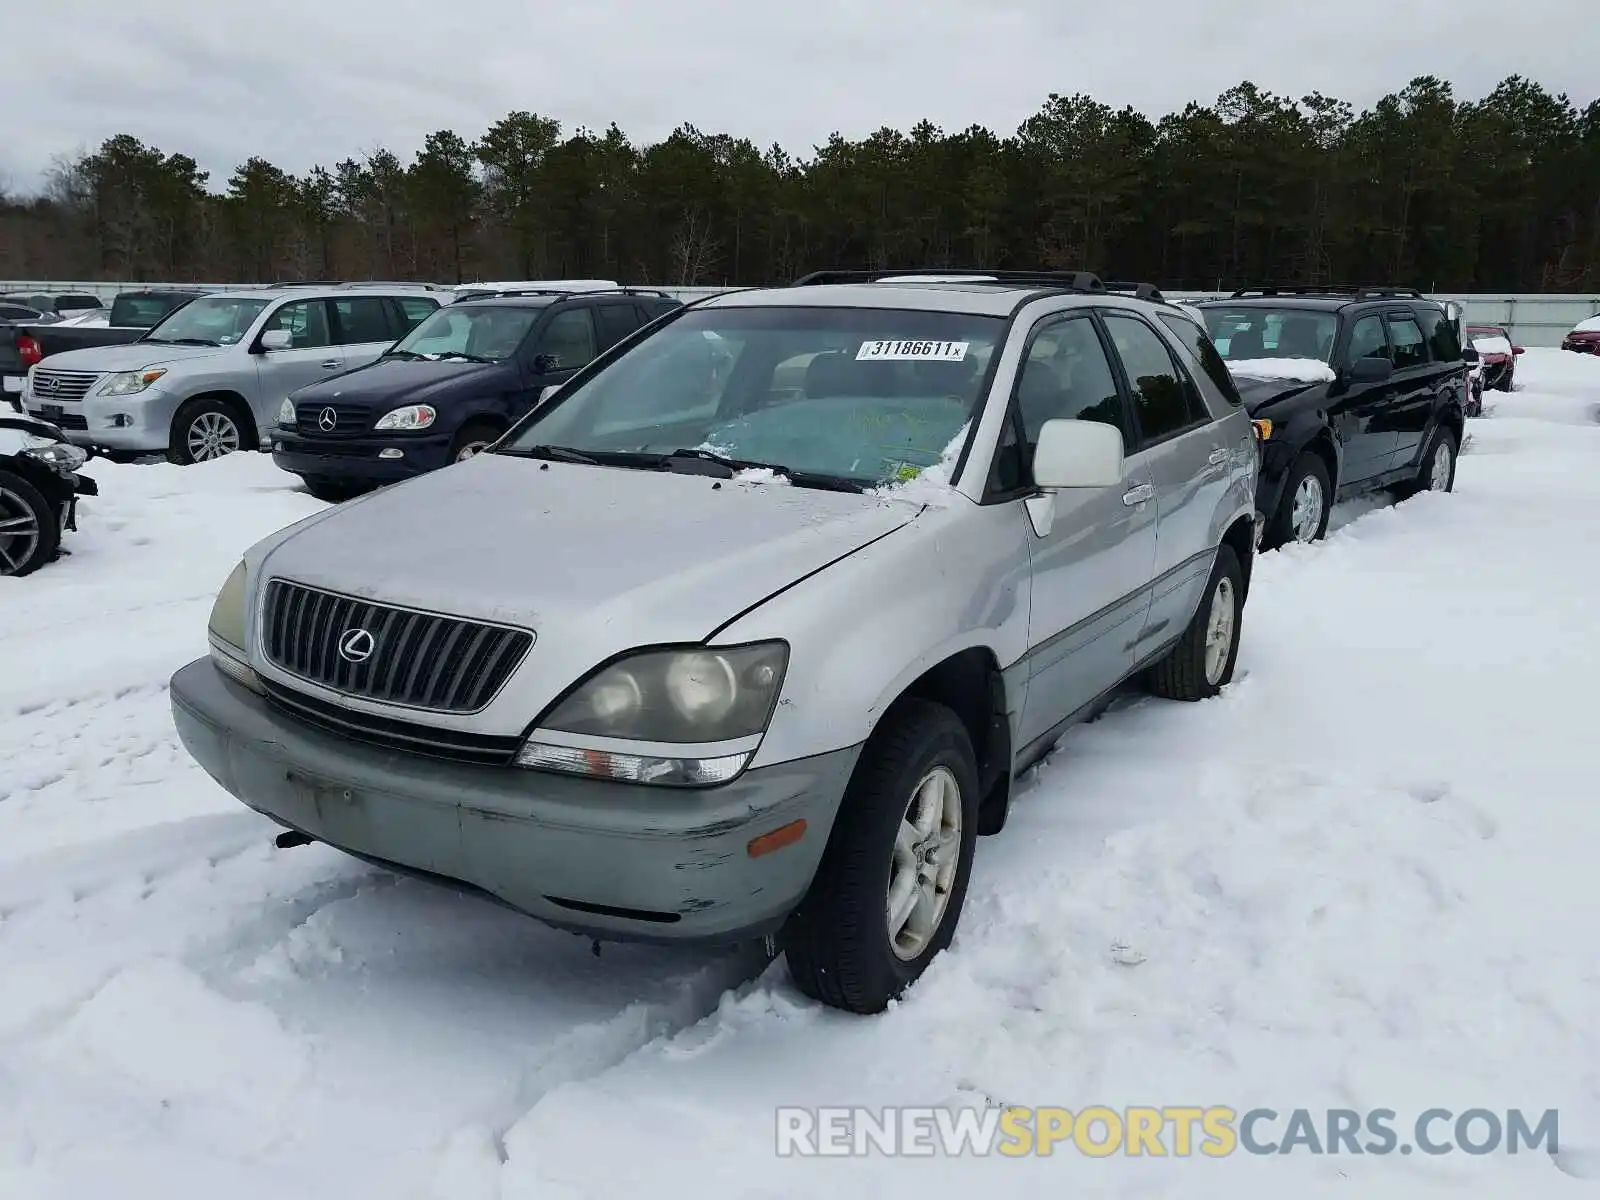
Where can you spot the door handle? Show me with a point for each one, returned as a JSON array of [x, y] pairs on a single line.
[[1138, 495], [333, 364], [1219, 457]]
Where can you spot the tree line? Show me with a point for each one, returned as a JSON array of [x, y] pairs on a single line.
[[1422, 189]]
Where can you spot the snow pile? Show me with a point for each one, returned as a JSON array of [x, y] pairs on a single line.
[[1362, 878], [1297, 370], [931, 485], [1491, 345]]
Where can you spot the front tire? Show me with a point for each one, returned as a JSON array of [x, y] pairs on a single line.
[[30, 530], [1303, 510], [889, 890], [330, 490], [473, 439], [206, 429], [1202, 662]]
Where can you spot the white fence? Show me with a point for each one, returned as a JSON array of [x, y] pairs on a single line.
[[1532, 319]]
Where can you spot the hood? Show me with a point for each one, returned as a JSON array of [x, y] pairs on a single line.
[[132, 356], [1261, 394], [405, 381], [594, 560]]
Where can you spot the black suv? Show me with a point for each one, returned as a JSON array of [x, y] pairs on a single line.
[[1352, 389], [451, 386]]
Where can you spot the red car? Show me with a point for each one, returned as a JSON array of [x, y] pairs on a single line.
[[1498, 354], [1585, 338]]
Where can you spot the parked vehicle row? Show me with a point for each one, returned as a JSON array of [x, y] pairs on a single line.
[[1354, 390]]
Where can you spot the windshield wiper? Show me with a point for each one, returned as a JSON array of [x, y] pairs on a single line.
[[586, 458], [408, 354], [475, 358], [183, 341], [803, 479]]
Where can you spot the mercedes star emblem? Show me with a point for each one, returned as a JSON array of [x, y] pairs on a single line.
[[327, 418], [356, 645]]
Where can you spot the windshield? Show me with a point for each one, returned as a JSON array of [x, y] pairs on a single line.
[[868, 395], [477, 333], [209, 321], [1260, 332]]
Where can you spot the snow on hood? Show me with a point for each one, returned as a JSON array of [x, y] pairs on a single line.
[[1300, 370], [1491, 345], [1592, 325]]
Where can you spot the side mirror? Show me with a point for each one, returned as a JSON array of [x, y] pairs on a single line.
[[1519, 349], [1372, 370], [1469, 353], [1077, 454], [543, 364], [276, 339]]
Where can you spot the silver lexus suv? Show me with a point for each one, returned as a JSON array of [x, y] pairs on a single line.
[[747, 629], [210, 377]]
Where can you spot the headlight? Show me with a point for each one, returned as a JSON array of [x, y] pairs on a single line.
[[286, 412], [412, 416], [680, 709], [60, 457], [128, 383], [226, 631]]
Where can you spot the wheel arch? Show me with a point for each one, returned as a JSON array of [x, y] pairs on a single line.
[[971, 684]]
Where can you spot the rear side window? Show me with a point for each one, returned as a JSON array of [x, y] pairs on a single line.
[[1197, 341], [142, 312], [15, 312], [1410, 349], [361, 320], [1161, 396], [1441, 335], [615, 321]]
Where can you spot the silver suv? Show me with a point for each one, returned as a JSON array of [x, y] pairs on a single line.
[[210, 378], [754, 642]]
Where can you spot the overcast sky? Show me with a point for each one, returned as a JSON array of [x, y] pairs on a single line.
[[313, 81]]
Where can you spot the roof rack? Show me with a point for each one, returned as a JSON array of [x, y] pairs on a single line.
[[1072, 281], [1139, 291], [1380, 293], [498, 293]]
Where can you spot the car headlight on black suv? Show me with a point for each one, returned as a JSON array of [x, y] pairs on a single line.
[[688, 717], [61, 457]]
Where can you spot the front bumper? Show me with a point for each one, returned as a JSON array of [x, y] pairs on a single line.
[[360, 458], [608, 860], [140, 423]]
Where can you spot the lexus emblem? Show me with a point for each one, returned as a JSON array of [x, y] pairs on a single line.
[[46, 383], [356, 645], [327, 419]]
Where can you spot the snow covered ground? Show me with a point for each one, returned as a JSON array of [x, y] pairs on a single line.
[[1362, 878]]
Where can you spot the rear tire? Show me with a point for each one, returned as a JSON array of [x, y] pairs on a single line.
[[905, 834], [30, 526], [1303, 509], [1437, 471], [1202, 662], [207, 428]]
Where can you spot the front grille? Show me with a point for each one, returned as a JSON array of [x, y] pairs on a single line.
[[64, 421], [53, 386], [415, 659], [348, 419], [405, 736]]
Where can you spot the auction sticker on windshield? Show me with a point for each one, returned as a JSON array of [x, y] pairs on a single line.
[[913, 351]]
